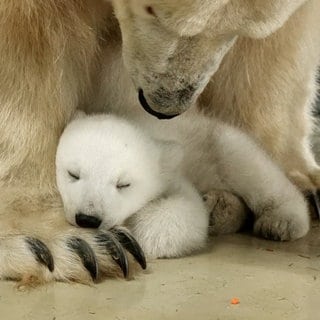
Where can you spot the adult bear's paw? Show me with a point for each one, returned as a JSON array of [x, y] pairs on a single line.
[[72, 255]]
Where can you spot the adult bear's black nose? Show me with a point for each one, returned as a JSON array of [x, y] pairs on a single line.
[[85, 221], [143, 101]]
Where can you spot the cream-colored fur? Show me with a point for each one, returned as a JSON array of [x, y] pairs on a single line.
[[49, 54], [110, 170], [123, 172], [50, 64], [254, 61]]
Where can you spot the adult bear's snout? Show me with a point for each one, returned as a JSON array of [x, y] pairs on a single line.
[[146, 107]]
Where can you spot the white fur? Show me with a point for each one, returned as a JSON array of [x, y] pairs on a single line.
[[105, 154], [105, 151], [166, 214]]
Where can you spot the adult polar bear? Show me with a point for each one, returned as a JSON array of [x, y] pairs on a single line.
[[265, 84], [50, 55]]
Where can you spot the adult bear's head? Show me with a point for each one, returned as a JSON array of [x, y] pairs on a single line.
[[173, 47]]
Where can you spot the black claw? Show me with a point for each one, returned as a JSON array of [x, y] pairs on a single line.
[[314, 200], [41, 252], [130, 244], [86, 254], [108, 241]]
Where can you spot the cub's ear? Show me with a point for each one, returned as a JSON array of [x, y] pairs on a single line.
[[171, 155], [79, 114], [260, 18]]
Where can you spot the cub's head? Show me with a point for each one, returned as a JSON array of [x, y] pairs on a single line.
[[173, 47], [108, 169]]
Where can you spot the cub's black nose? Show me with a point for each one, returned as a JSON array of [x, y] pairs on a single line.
[[146, 107], [85, 221]]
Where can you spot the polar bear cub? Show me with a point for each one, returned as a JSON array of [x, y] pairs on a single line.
[[108, 170], [112, 171]]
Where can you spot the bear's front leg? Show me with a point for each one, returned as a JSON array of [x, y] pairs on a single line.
[[173, 225], [48, 51]]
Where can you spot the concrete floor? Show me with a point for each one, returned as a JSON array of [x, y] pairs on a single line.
[[273, 280]]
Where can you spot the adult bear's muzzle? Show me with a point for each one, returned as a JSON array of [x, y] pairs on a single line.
[[146, 107]]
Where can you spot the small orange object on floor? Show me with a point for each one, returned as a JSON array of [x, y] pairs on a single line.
[[235, 301]]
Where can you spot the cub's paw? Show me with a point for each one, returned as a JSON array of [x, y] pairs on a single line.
[[283, 225], [74, 255], [228, 213]]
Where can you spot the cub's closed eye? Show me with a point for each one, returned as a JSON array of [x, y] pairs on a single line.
[[73, 175], [121, 185]]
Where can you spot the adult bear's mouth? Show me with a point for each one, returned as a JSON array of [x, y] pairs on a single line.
[[146, 107]]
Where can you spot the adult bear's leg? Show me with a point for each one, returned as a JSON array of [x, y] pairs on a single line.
[[48, 52]]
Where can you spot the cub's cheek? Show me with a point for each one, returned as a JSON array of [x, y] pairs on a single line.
[[69, 208], [71, 218]]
